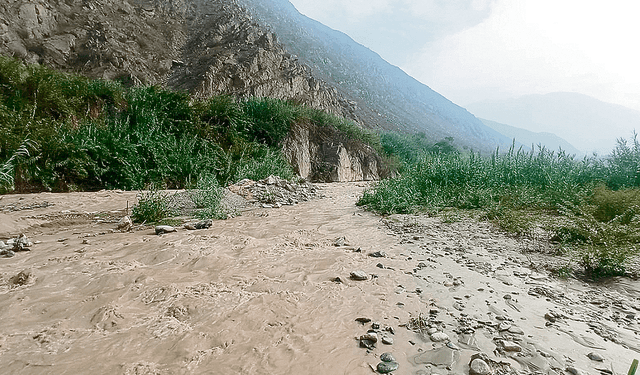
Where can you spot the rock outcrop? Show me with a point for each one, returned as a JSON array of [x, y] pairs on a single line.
[[323, 154]]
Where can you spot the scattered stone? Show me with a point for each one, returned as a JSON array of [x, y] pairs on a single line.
[[23, 278], [387, 340], [504, 326], [439, 337], [387, 367], [479, 367], [515, 330], [337, 280], [162, 229], [359, 275], [368, 340], [574, 371], [370, 336], [125, 224], [86, 242], [6, 253], [595, 357], [375, 325], [340, 241], [380, 265], [387, 357], [203, 224], [510, 346], [551, 317], [363, 320], [378, 254], [20, 243]]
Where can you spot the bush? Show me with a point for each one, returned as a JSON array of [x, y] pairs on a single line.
[[152, 207]]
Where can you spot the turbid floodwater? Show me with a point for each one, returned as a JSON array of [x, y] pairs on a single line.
[[271, 292]]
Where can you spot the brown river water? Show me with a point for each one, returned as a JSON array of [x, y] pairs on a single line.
[[257, 294]]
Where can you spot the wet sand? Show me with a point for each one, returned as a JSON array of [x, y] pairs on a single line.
[[257, 294]]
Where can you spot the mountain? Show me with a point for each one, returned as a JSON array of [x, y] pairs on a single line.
[[239, 47], [384, 95], [528, 138], [587, 123]]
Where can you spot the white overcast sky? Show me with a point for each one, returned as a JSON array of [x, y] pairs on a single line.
[[473, 50]]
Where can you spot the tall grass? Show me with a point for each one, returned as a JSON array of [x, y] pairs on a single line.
[[520, 190]]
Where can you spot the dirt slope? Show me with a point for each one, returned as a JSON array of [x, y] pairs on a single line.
[[257, 294]]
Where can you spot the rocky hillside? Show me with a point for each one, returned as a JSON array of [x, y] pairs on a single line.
[[240, 47]]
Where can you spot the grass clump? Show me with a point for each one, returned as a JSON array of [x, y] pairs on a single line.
[[153, 207]]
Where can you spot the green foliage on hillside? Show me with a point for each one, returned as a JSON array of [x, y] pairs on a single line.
[[61, 132], [591, 206]]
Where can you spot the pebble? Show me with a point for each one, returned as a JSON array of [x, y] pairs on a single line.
[[595, 357], [479, 367], [161, 229], [125, 224], [363, 320], [510, 346], [359, 275], [504, 326], [439, 336], [370, 336], [378, 254], [516, 330], [387, 340], [574, 371], [387, 367], [387, 357]]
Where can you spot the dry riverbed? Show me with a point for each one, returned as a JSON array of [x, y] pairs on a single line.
[[277, 291]]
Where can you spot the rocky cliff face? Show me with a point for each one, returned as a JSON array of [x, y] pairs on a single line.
[[322, 154]]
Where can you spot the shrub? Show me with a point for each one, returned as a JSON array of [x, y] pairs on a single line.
[[152, 207]]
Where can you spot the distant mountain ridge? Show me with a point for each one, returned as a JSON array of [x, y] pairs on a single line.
[[239, 47], [528, 138], [587, 123], [385, 96]]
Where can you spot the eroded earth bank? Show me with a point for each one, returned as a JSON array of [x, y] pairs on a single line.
[[270, 292]]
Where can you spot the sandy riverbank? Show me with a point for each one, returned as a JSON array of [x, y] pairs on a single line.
[[257, 294]]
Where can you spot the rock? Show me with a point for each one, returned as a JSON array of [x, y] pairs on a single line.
[[125, 224], [359, 275], [337, 280], [7, 253], [363, 320], [378, 254], [504, 326], [439, 337], [20, 243], [515, 330], [550, 317], [203, 224], [162, 229], [387, 357], [371, 336], [595, 357], [574, 371], [479, 367], [387, 340], [23, 278], [340, 241], [368, 340], [510, 346], [387, 367]]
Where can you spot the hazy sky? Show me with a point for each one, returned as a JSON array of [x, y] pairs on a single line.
[[472, 50]]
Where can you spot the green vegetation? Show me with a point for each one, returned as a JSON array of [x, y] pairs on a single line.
[[65, 132], [590, 206]]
